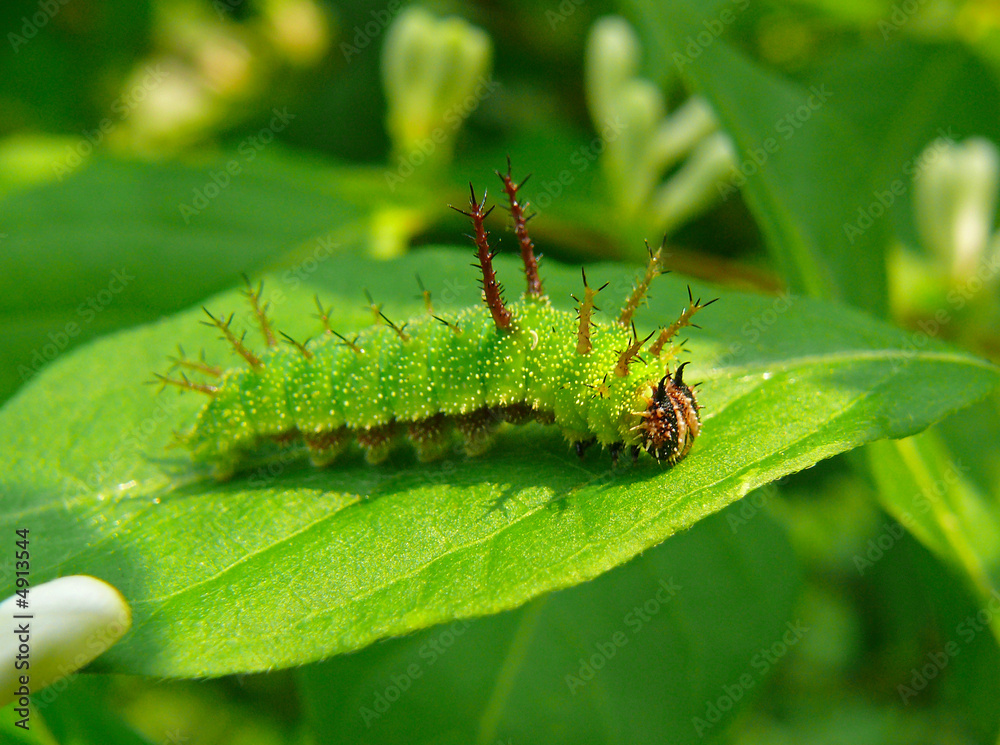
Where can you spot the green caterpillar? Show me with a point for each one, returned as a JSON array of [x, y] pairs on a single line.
[[467, 371]]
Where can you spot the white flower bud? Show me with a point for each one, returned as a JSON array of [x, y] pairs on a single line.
[[435, 71], [955, 199], [67, 623]]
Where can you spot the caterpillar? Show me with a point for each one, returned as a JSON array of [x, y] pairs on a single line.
[[464, 371]]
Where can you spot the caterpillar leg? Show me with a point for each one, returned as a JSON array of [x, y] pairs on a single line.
[[429, 437], [376, 442], [324, 447], [477, 429], [519, 413], [581, 446]]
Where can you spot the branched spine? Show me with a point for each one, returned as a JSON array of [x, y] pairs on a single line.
[[585, 315], [376, 308], [260, 311], [398, 329], [517, 213], [351, 344], [228, 335], [298, 345], [184, 384], [492, 291], [453, 326], [323, 316], [670, 331], [630, 353], [426, 294], [653, 269], [199, 366]]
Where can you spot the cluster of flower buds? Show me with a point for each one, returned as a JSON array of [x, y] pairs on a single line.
[[648, 143]]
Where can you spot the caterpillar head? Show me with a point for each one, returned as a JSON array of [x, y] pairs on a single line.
[[670, 422]]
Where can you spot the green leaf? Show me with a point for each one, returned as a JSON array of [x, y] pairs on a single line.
[[804, 165], [829, 159], [291, 564], [645, 653], [78, 713], [943, 496], [902, 96]]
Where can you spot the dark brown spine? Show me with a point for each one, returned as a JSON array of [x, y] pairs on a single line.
[[492, 291], [517, 213]]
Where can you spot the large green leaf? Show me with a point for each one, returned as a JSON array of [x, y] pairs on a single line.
[[292, 564], [644, 654]]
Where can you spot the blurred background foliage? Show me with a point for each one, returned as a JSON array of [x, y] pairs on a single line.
[[356, 123]]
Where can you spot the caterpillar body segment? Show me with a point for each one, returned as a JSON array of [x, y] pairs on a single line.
[[465, 372], [435, 382]]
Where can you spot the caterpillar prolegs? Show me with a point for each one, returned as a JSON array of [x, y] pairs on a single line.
[[464, 371]]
